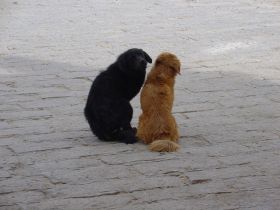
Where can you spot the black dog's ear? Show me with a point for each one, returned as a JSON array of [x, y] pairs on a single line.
[[147, 57], [121, 61]]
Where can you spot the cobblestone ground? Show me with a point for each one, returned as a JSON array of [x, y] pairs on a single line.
[[227, 105]]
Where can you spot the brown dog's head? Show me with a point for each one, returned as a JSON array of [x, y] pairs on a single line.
[[170, 61]]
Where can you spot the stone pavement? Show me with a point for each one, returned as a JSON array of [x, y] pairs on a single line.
[[227, 105]]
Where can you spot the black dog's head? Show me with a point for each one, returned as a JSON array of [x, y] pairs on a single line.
[[133, 60]]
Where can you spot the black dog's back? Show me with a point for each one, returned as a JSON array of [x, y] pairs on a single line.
[[108, 110]]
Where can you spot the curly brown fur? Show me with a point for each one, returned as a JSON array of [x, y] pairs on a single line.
[[157, 126]]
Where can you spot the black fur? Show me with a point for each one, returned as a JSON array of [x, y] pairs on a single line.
[[108, 110]]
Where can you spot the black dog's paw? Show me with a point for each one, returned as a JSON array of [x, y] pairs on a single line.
[[128, 136], [130, 140]]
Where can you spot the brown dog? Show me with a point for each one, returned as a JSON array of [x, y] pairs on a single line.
[[157, 126]]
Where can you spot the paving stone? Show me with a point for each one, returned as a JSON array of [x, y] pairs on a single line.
[[226, 105]]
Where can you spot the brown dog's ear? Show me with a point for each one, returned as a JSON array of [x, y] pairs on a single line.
[[176, 67], [157, 61]]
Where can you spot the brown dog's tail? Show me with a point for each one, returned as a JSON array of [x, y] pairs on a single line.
[[164, 146]]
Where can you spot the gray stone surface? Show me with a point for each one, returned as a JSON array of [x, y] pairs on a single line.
[[227, 105]]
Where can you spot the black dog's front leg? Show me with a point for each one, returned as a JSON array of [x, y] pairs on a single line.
[[129, 136], [128, 127], [127, 133]]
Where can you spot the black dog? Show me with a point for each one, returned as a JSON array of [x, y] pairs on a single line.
[[108, 110]]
